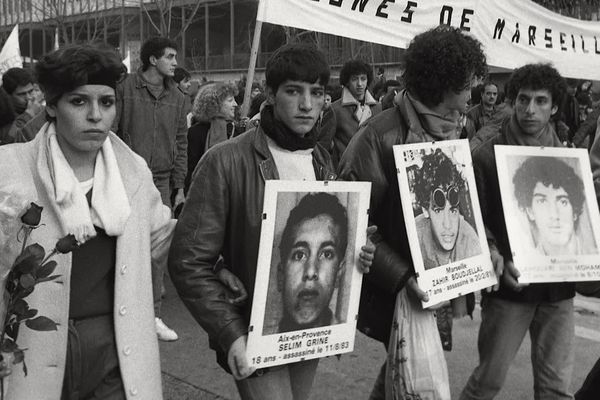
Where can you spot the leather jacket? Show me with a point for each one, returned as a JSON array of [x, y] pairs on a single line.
[[369, 157], [222, 216]]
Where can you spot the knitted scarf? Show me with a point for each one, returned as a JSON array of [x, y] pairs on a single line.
[[284, 136], [546, 137], [424, 124]]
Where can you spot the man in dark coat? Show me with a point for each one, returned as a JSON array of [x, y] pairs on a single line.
[[437, 92]]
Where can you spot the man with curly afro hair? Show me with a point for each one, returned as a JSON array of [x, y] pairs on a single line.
[[442, 64], [355, 106], [543, 309], [444, 235]]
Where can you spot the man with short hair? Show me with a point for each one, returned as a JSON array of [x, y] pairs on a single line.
[[444, 234], [543, 309], [19, 84], [151, 119], [222, 215], [313, 250], [355, 106], [183, 79], [437, 92], [483, 113]]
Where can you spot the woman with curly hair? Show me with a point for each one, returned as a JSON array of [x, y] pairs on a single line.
[[213, 114]]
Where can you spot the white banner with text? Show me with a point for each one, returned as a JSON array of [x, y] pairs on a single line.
[[513, 32]]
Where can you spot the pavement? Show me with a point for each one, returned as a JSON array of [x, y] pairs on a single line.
[[190, 371]]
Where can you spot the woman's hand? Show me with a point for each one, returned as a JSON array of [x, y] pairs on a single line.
[[367, 252]]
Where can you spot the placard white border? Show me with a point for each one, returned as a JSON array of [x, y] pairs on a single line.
[[282, 348], [457, 278], [537, 268]]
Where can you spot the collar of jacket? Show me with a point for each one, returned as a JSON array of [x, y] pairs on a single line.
[[348, 99], [140, 82], [268, 170]]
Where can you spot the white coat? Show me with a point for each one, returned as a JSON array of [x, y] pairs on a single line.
[[148, 230]]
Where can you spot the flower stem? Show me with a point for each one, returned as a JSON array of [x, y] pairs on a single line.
[[52, 253], [27, 233]]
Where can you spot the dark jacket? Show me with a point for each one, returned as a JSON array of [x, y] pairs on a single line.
[[222, 216], [587, 130], [196, 137], [369, 157], [155, 128], [488, 190], [346, 124], [27, 131]]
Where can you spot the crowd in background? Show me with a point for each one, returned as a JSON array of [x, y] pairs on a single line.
[[194, 157]]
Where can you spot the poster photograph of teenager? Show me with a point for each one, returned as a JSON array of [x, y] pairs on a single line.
[[443, 220], [307, 288], [551, 213]]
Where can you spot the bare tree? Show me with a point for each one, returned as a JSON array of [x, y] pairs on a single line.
[[161, 17], [84, 20]]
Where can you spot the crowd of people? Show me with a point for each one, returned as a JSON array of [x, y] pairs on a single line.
[[152, 170]]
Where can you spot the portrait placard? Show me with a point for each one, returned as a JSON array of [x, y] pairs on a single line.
[[308, 282], [443, 220], [551, 212]]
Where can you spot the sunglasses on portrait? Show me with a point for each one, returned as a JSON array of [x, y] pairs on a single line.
[[451, 195]]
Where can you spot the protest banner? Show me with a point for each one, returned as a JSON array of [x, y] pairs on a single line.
[[551, 212], [307, 288], [513, 32], [443, 220]]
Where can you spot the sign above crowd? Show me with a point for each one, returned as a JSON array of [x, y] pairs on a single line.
[[513, 32]]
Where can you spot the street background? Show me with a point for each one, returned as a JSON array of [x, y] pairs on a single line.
[[190, 370]]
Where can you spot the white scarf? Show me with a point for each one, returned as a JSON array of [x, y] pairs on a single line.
[[110, 207], [363, 111]]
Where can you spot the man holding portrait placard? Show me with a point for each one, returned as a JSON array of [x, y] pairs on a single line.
[[543, 309], [223, 216], [437, 91]]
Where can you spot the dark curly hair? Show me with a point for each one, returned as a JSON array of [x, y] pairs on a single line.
[[549, 171], [297, 62], [438, 171], [355, 67], [537, 77], [181, 74], [440, 60], [15, 77], [155, 46], [310, 206], [72, 66]]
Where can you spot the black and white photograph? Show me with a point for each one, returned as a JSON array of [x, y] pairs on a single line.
[[299, 199], [442, 219], [551, 213], [307, 283]]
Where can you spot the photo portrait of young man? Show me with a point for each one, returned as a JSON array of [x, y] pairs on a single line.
[[312, 261], [444, 234], [551, 194]]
